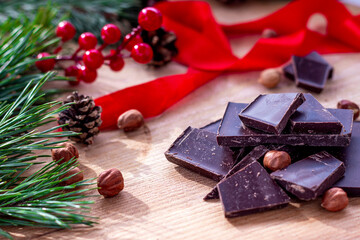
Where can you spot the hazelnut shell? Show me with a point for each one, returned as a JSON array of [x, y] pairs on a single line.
[[346, 104], [110, 182], [270, 78], [335, 199], [130, 120], [76, 178], [276, 160], [67, 152]]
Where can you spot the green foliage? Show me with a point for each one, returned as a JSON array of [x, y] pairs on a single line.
[[39, 199], [20, 40], [87, 16]]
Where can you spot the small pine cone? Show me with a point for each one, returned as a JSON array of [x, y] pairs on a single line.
[[162, 44], [82, 117]]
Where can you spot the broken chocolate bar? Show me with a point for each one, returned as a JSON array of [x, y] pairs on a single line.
[[233, 134], [311, 117], [212, 127], [198, 151], [250, 190], [254, 155], [271, 112], [309, 178], [289, 69], [350, 183], [310, 74]]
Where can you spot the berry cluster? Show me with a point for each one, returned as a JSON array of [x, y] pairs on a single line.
[[85, 67]]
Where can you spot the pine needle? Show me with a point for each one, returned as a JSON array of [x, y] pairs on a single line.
[[41, 199]]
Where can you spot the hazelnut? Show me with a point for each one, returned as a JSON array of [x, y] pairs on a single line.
[[67, 152], [270, 77], [335, 199], [346, 104], [276, 160], [110, 182], [268, 33], [76, 178], [130, 120]]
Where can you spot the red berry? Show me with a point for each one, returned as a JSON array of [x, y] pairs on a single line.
[[150, 18], [142, 53], [65, 30], [45, 65], [117, 63], [87, 75], [110, 33], [72, 71], [134, 40], [93, 59], [87, 41]]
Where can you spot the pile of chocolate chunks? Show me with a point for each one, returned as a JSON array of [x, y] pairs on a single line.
[[324, 145]]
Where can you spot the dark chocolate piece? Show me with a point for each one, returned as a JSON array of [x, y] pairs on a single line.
[[212, 127], [310, 73], [311, 117], [350, 155], [254, 155], [198, 151], [233, 134], [250, 190], [309, 178], [289, 69], [271, 112]]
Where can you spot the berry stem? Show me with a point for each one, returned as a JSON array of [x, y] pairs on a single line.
[[59, 48], [104, 45], [73, 57], [134, 33], [68, 58]]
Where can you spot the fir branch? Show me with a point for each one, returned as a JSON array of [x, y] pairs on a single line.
[[40, 199], [20, 40]]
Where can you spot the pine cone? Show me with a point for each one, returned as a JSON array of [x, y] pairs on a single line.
[[82, 117], [162, 44]]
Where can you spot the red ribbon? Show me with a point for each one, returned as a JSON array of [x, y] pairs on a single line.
[[204, 48]]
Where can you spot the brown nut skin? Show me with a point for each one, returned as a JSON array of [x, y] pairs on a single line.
[[335, 199], [66, 153], [346, 104], [130, 120], [270, 78], [110, 182], [276, 160], [76, 178]]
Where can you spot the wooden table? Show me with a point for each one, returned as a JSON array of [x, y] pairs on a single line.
[[164, 201]]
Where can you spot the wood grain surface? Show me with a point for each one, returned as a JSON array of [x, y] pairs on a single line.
[[164, 201]]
